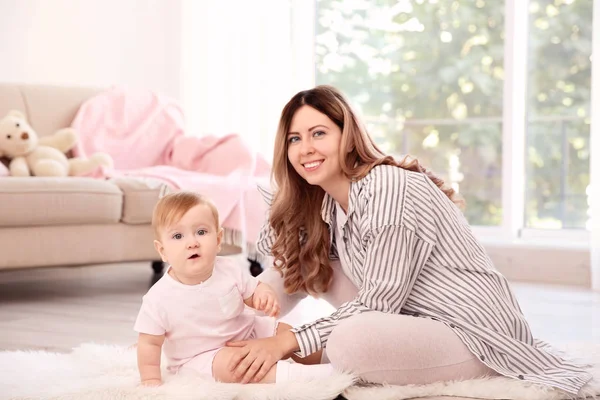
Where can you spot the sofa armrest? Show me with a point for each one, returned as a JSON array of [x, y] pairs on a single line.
[[139, 198]]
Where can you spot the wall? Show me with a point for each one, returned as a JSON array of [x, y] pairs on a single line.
[[242, 63], [595, 151], [95, 43], [533, 262]]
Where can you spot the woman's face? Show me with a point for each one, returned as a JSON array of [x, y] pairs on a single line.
[[313, 144]]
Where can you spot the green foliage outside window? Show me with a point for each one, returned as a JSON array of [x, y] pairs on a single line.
[[427, 77]]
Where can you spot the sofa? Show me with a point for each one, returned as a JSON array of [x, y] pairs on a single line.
[[72, 221]]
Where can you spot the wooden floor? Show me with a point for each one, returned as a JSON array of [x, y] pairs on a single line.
[[58, 309]]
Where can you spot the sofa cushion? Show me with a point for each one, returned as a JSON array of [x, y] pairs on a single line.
[[58, 201], [139, 198]]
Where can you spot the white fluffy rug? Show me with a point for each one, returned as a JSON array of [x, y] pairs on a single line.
[[101, 372]]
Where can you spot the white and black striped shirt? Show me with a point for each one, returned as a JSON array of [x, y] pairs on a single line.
[[411, 251]]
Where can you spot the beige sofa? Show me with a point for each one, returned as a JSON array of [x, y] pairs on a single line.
[[47, 222]]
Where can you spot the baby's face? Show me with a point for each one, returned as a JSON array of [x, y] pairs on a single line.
[[191, 244]]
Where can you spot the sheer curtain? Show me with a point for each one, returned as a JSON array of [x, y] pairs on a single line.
[[594, 196], [241, 62]]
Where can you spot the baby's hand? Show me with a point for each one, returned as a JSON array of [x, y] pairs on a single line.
[[265, 300], [151, 382]]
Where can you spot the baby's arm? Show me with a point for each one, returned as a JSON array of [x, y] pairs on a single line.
[[148, 355], [264, 299]]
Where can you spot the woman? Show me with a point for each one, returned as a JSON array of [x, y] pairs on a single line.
[[418, 300]]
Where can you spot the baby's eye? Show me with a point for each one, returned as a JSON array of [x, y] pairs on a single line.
[[293, 139], [202, 232], [17, 125], [177, 236]]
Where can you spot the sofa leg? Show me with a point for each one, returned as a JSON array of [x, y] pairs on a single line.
[[158, 267], [255, 267]]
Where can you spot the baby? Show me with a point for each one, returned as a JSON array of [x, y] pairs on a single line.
[[199, 304]]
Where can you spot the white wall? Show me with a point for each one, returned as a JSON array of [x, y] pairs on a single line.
[[92, 42], [595, 150]]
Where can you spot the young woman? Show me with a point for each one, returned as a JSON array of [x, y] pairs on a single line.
[[418, 300]]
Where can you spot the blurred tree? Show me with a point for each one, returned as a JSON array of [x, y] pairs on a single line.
[[427, 76], [560, 45]]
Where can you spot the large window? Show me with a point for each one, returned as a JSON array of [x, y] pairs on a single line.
[[428, 76]]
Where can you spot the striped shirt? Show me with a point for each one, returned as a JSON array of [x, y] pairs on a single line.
[[411, 251]]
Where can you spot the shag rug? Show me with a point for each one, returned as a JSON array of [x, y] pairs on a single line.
[[101, 372]]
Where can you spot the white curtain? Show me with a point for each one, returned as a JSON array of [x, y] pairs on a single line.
[[241, 62], [594, 194]]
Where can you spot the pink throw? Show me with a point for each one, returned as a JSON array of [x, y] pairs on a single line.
[[145, 135]]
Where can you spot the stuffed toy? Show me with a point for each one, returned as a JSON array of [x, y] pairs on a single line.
[[3, 170], [31, 155]]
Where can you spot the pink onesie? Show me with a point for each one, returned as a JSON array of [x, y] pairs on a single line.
[[197, 320]]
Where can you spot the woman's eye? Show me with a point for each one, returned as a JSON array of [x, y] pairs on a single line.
[[318, 133], [202, 232], [293, 139], [177, 236]]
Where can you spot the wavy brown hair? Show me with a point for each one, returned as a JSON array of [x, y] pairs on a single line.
[[301, 248]]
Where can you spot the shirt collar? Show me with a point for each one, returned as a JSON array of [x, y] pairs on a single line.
[[328, 204]]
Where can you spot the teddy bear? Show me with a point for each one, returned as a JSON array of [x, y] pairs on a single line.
[[31, 155]]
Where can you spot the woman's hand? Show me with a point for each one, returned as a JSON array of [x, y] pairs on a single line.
[[257, 356]]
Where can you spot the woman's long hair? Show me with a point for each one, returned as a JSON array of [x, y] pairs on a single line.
[[301, 248]]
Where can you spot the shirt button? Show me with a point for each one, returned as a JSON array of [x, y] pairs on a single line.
[[521, 377], [482, 358], [452, 326]]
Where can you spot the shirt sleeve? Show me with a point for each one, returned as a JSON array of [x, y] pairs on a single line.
[[150, 319], [394, 258], [266, 237]]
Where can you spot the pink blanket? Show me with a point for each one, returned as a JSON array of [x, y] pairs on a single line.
[[145, 135]]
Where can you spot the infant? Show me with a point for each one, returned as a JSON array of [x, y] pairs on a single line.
[[200, 302]]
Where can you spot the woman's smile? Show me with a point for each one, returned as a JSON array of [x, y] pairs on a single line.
[[312, 166]]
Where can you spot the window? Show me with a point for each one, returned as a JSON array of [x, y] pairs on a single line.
[[428, 76], [558, 114]]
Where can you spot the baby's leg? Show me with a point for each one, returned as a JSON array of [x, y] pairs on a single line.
[[222, 373], [283, 371]]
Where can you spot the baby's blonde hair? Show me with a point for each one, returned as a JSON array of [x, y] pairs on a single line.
[[172, 207]]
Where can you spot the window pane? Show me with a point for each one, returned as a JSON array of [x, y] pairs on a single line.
[[427, 76], [558, 131]]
